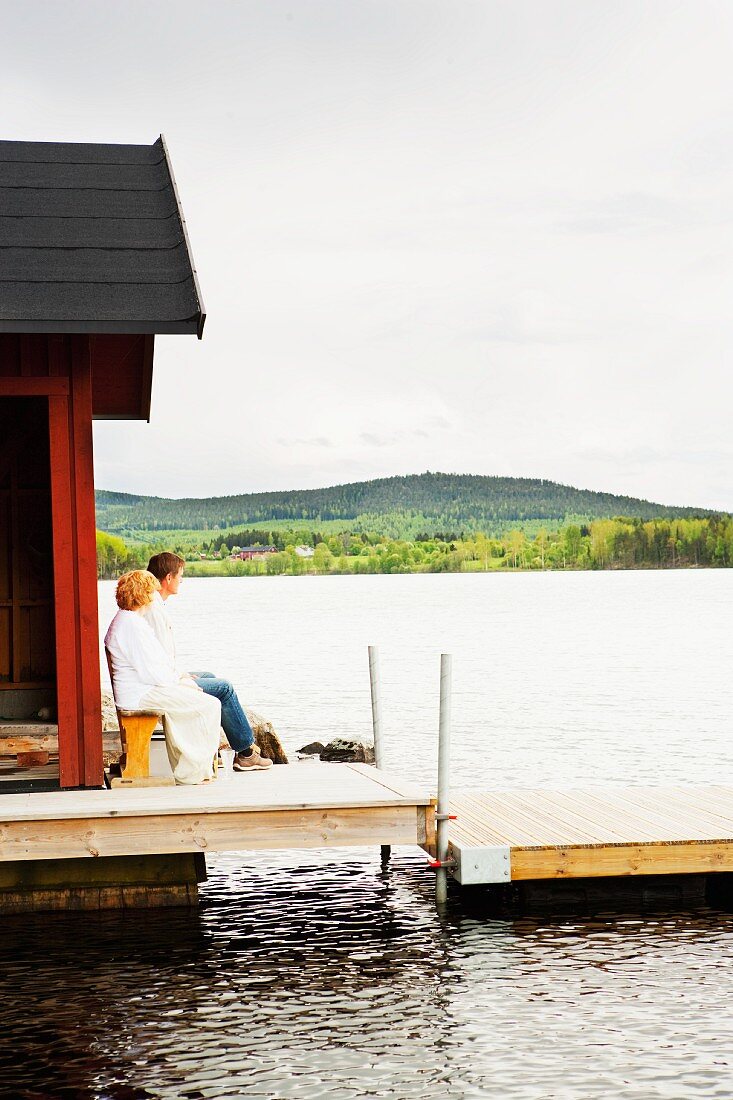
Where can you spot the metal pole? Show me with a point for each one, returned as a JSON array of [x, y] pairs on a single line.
[[376, 705], [441, 838], [385, 849]]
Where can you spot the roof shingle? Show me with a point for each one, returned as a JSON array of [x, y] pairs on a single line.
[[92, 239]]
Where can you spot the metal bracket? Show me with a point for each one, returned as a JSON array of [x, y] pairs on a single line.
[[484, 864], [436, 864], [445, 817]]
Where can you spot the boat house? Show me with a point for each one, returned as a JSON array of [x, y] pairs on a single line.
[[94, 262]]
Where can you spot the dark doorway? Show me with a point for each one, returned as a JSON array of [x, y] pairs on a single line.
[[27, 634]]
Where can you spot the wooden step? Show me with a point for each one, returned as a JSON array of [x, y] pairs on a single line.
[[35, 736], [30, 736]]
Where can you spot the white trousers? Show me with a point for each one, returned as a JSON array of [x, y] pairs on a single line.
[[192, 722]]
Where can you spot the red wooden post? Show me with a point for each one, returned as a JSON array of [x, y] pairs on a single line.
[[64, 571], [90, 731], [75, 571]]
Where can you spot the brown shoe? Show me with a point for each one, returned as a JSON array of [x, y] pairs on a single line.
[[251, 763]]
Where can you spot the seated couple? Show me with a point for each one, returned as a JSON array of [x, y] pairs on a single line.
[[194, 705]]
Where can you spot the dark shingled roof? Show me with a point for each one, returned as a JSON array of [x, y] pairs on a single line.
[[92, 239]]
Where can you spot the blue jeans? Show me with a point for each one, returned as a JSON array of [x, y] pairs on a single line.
[[233, 719]]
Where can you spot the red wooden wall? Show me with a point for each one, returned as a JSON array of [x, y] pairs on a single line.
[[58, 369]]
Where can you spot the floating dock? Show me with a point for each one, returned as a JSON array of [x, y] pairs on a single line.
[[290, 806], [494, 838], [531, 835]]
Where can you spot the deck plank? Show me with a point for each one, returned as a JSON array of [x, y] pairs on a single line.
[[612, 811], [574, 812], [511, 826], [652, 823], [696, 814], [391, 782], [283, 787]]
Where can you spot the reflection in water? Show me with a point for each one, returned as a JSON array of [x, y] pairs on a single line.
[[302, 978]]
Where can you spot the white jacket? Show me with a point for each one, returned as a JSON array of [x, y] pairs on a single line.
[[139, 661]]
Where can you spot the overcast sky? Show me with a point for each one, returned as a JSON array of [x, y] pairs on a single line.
[[488, 237]]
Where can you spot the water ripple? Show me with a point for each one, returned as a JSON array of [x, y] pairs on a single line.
[[309, 978]]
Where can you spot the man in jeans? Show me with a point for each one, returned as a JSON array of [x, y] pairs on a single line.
[[168, 568]]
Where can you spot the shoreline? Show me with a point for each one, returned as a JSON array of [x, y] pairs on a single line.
[[190, 576]]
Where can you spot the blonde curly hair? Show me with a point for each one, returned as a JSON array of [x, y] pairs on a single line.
[[136, 589]]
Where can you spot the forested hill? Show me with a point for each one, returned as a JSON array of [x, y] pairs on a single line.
[[427, 502]]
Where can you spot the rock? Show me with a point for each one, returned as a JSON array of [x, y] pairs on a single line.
[[266, 739], [109, 714], [313, 748], [344, 750]]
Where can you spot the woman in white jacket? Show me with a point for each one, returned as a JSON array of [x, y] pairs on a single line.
[[144, 678]]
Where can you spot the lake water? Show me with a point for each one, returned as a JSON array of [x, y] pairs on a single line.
[[303, 977]]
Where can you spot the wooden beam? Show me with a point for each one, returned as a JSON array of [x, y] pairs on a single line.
[[15, 553], [89, 685], [33, 387], [208, 832], [117, 883], [64, 571], [122, 371], [95, 898], [58, 356], [33, 355], [147, 376], [426, 826], [622, 859], [26, 684], [22, 737]]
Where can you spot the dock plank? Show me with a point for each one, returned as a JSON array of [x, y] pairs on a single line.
[[611, 812], [558, 819], [283, 787], [599, 831], [697, 815], [511, 828], [657, 824]]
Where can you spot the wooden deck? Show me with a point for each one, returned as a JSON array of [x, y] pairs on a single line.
[[305, 805], [497, 837], [501, 837]]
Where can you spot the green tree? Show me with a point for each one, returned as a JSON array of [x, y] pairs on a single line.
[[322, 558], [515, 544]]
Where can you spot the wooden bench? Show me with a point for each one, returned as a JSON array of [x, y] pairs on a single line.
[[136, 731]]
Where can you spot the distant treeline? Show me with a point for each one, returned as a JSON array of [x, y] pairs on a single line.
[[115, 557], [400, 507], [621, 543]]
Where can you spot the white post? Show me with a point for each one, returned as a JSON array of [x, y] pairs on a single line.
[[441, 838], [385, 849], [376, 706]]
